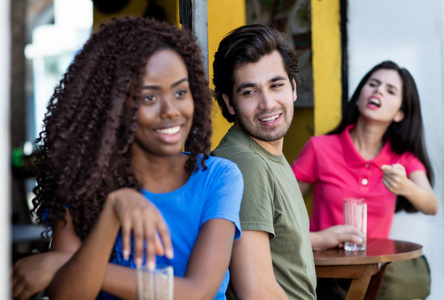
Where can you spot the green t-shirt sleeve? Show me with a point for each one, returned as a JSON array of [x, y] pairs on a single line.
[[257, 208]]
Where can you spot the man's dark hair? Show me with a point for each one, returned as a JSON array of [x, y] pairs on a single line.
[[247, 44]]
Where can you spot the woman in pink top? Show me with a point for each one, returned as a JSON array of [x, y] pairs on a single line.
[[377, 152]]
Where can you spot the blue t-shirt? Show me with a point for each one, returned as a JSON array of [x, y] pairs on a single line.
[[213, 193]]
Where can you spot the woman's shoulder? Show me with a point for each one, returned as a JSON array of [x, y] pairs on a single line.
[[406, 156], [215, 163], [219, 171], [410, 159], [323, 141]]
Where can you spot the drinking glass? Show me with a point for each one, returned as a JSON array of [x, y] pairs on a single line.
[[355, 214], [156, 284]]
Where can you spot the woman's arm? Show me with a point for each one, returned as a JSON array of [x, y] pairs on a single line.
[[416, 187], [89, 271], [208, 261], [205, 271], [34, 273], [81, 277]]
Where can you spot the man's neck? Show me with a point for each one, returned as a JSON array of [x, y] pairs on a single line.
[[273, 147]]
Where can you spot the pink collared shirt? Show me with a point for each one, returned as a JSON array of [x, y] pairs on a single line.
[[333, 165]]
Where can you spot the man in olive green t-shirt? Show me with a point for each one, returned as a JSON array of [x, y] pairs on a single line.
[[254, 78]]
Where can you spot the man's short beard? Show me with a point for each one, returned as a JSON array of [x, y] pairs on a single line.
[[262, 134]]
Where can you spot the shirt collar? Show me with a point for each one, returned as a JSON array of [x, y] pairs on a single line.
[[352, 156]]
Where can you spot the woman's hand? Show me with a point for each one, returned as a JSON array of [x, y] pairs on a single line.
[[34, 273], [141, 218], [395, 178], [415, 188]]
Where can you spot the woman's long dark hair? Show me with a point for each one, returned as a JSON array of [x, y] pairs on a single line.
[[84, 148], [404, 136]]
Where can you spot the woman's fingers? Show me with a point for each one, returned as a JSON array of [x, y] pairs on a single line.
[[19, 282], [150, 235], [164, 236], [396, 170], [17, 289], [138, 238], [126, 238], [143, 221], [20, 290], [157, 235]]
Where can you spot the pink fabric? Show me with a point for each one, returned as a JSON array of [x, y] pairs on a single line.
[[334, 166]]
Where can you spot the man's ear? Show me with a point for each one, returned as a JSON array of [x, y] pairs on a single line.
[[295, 94], [227, 103]]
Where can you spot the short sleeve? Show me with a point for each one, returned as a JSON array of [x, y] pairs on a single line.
[[257, 209], [304, 166], [411, 163], [225, 194]]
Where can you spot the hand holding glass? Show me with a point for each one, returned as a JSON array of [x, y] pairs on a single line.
[[355, 214]]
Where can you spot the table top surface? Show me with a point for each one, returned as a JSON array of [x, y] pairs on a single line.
[[378, 251]]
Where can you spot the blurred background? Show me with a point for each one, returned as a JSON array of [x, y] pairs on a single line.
[[337, 42]]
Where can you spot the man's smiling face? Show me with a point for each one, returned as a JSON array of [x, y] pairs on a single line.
[[263, 98]]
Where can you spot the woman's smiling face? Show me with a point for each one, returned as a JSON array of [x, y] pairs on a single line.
[[166, 111]]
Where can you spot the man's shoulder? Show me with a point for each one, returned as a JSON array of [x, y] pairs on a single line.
[[234, 142], [246, 160], [243, 154], [217, 162]]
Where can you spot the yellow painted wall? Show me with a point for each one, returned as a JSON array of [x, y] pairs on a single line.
[[299, 133], [326, 45], [223, 16], [327, 53]]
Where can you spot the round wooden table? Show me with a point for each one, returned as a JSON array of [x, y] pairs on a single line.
[[365, 268]]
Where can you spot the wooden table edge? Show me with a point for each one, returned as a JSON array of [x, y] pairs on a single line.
[[383, 258]]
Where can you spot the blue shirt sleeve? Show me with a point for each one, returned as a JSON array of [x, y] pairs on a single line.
[[226, 191]]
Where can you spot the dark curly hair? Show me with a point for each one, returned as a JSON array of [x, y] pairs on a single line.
[[404, 136], [84, 148], [248, 44]]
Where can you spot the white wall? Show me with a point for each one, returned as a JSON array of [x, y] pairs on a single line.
[[4, 150], [410, 33]]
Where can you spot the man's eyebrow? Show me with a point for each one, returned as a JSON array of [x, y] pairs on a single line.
[[245, 85], [250, 84], [277, 78], [156, 87]]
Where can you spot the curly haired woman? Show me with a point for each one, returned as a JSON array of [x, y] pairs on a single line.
[[111, 165]]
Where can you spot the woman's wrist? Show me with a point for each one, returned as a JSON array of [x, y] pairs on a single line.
[[108, 210]]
